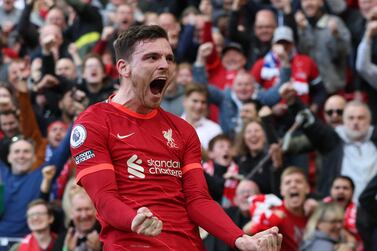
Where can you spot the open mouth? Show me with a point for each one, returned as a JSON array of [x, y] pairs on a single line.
[[227, 157], [340, 199], [58, 139], [254, 140], [157, 85], [294, 195]]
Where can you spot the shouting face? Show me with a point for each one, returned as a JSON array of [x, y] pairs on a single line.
[[148, 73]]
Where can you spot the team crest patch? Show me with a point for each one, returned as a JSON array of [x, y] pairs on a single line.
[[78, 136], [168, 135]]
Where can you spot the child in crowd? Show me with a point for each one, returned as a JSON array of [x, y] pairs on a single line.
[[221, 171]]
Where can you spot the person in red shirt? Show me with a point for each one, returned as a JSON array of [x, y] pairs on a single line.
[[39, 219], [305, 76], [341, 192], [288, 215], [141, 165]]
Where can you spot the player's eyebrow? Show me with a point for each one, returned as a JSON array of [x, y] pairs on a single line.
[[151, 54]]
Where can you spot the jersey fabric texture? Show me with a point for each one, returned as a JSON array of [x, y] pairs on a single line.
[[290, 225], [149, 155]]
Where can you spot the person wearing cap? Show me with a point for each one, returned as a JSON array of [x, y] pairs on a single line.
[[222, 69], [305, 78], [232, 60], [231, 99], [257, 41], [327, 40]]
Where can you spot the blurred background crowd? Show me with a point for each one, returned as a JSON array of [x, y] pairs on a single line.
[[282, 94]]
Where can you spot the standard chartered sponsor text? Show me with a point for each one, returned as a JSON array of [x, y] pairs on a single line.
[[166, 167]]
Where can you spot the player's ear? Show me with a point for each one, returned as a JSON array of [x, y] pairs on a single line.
[[123, 68]]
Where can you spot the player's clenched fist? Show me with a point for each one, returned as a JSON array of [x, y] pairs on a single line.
[[145, 223], [269, 240]]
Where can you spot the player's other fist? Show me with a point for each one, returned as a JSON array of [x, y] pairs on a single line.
[[146, 223]]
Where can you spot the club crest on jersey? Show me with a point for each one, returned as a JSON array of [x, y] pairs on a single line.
[[168, 135], [78, 136]]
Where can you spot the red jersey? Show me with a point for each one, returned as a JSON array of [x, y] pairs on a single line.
[[219, 76], [266, 72], [290, 225], [149, 154], [30, 243]]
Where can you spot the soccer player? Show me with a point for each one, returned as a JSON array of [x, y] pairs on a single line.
[[141, 165]]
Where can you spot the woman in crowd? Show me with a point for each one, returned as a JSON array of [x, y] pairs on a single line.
[[253, 152], [324, 231]]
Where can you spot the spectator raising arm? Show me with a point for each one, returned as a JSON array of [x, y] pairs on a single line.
[[364, 64]]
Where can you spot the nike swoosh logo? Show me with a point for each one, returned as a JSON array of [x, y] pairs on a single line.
[[124, 136]]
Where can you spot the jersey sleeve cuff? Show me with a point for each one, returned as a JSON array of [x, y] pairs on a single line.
[[191, 166], [93, 169]]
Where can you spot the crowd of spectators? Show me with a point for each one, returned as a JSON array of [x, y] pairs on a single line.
[[282, 94]]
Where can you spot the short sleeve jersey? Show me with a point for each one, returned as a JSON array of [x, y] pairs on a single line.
[[149, 154]]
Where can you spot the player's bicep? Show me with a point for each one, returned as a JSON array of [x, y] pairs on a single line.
[[192, 155], [89, 148]]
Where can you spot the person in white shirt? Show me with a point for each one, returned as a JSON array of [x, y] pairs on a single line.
[[195, 108]]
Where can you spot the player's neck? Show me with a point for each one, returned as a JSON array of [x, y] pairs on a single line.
[[130, 103]]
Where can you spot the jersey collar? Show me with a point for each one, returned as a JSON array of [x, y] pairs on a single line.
[[130, 112]]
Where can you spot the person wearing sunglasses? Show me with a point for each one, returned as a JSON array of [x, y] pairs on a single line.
[[333, 110], [300, 144], [349, 149]]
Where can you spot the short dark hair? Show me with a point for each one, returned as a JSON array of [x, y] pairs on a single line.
[[96, 56], [41, 202], [8, 112], [217, 138], [125, 44], [344, 177], [255, 102]]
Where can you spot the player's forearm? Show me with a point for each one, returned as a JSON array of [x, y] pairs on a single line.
[[206, 212], [102, 190]]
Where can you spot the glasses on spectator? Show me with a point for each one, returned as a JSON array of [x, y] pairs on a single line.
[[330, 112], [36, 214]]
